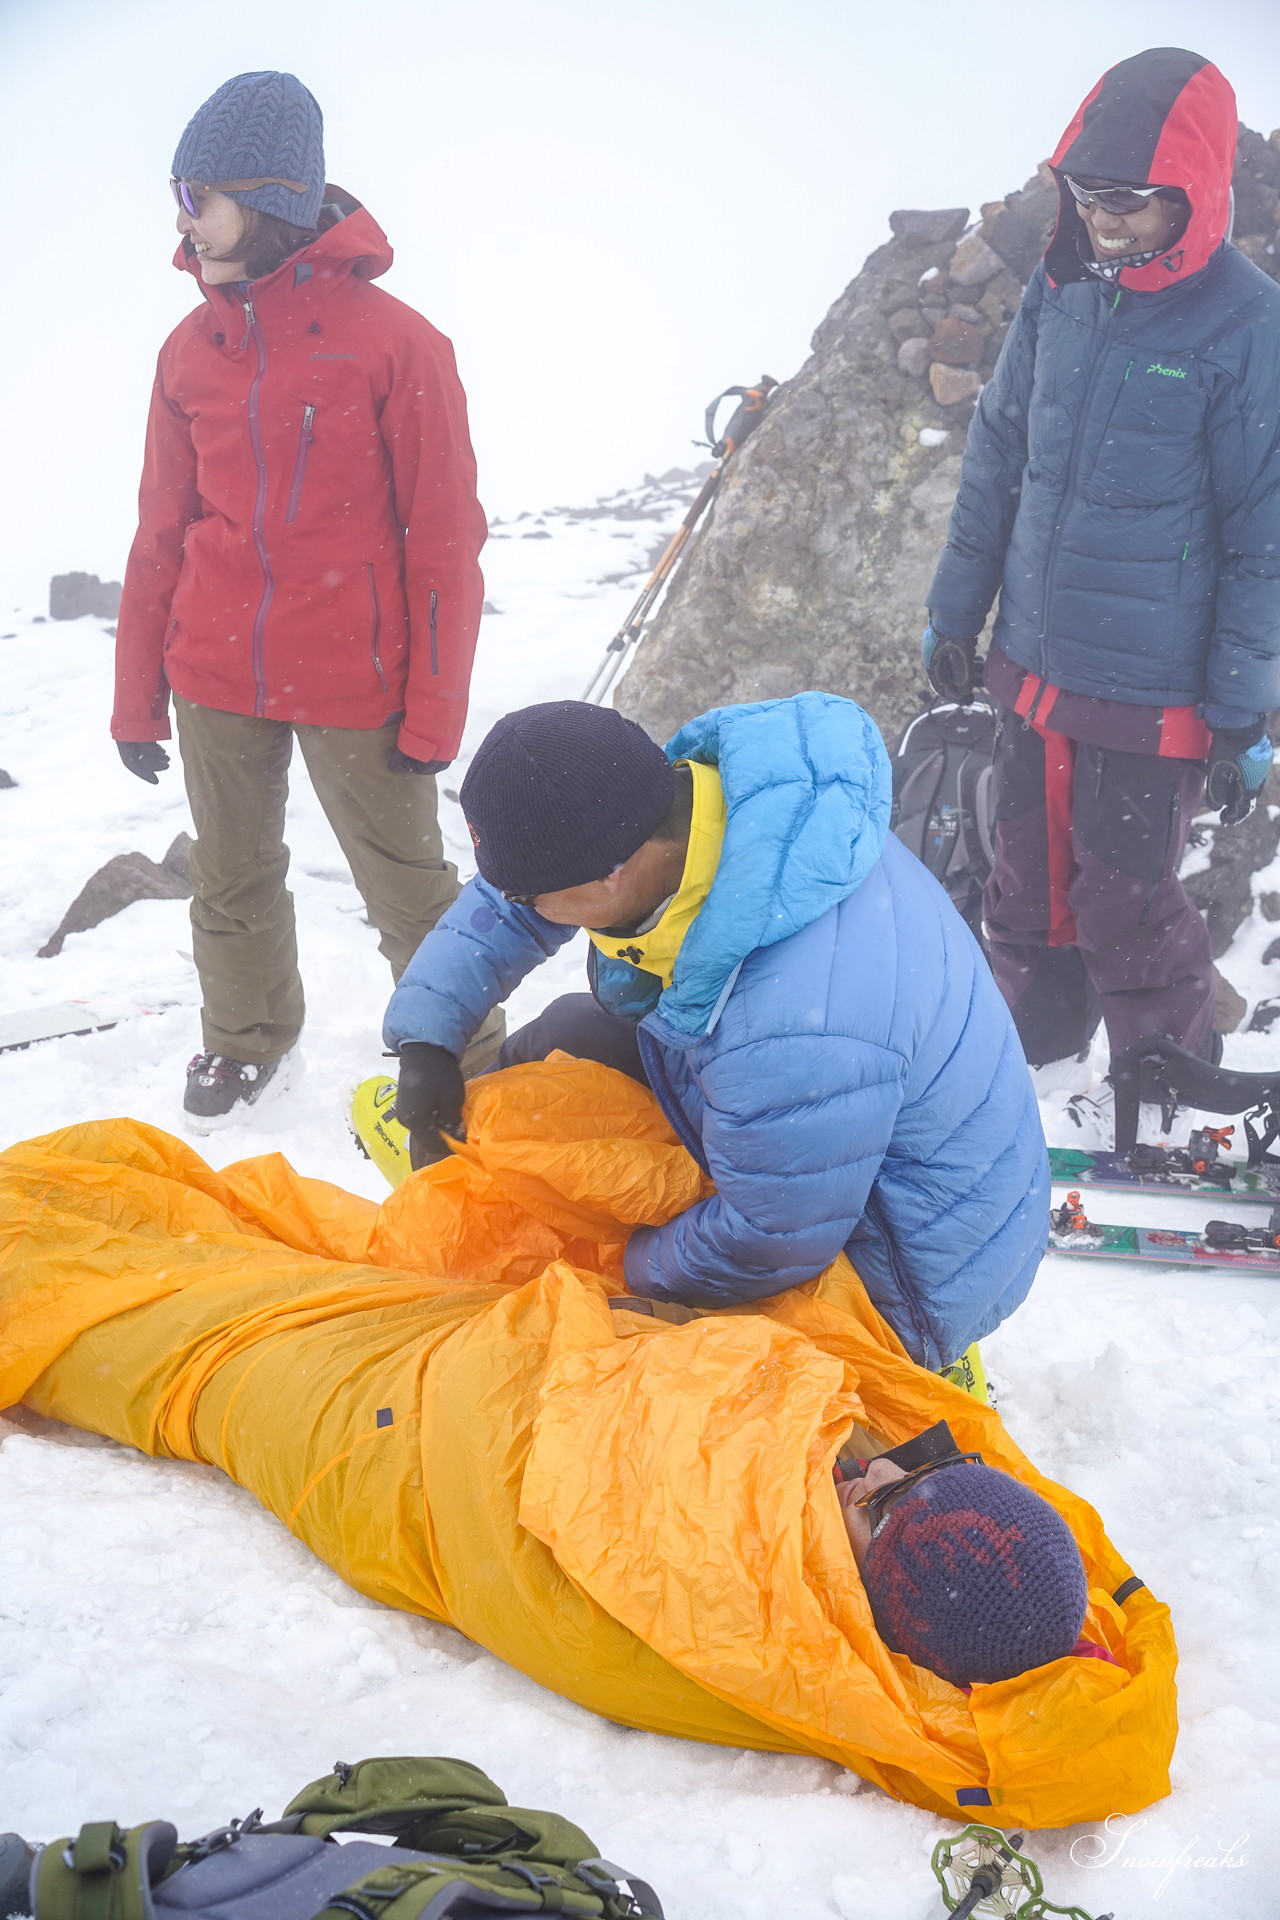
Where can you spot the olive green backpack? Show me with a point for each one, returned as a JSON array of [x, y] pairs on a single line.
[[456, 1848]]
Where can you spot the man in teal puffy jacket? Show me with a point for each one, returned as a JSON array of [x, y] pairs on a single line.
[[814, 1017], [1121, 493]]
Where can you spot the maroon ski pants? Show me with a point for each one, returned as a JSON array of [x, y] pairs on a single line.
[[1086, 917]]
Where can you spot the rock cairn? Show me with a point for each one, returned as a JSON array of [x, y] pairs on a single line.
[[812, 569]]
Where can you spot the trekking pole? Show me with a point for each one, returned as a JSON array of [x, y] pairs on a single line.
[[746, 417]]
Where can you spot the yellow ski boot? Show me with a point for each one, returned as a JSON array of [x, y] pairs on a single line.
[[379, 1136], [969, 1373]]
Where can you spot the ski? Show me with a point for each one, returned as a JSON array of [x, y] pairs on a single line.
[[1220, 1243], [1197, 1168], [34, 1024]]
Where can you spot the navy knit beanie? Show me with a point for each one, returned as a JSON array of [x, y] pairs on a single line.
[[975, 1577], [259, 126], [560, 794]]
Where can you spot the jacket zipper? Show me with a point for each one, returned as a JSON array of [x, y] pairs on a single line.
[[254, 332], [435, 656], [1073, 461], [651, 1060], [872, 1211], [377, 625], [300, 465]]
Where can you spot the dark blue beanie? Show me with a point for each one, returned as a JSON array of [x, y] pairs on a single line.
[[975, 1577], [259, 126], [560, 794]]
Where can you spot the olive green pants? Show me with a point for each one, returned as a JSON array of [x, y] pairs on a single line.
[[236, 769]]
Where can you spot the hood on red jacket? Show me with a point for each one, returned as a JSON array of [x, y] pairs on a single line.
[[1166, 117], [349, 238]]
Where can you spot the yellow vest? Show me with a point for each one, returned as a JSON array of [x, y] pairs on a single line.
[[655, 951]]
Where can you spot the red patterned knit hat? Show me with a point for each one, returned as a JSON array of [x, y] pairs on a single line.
[[975, 1577]]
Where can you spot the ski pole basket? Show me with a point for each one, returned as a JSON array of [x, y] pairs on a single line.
[[983, 1871]]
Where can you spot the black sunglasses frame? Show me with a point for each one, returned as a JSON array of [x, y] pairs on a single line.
[[876, 1503]]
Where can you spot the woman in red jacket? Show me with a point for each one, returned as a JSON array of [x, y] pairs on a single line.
[[306, 565]]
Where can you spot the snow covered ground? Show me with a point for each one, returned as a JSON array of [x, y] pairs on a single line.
[[168, 1650]]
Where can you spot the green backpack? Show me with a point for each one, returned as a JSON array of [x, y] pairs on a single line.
[[457, 1848]]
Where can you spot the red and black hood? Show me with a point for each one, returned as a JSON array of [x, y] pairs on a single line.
[[1168, 118]]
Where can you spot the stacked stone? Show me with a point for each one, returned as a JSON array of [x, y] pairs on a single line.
[[953, 323], [1257, 189]]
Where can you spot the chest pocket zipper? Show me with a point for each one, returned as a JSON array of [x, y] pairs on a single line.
[[377, 625], [300, 465]]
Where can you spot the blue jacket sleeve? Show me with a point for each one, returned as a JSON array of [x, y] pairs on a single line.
[[995, 456], [1244, 460], [793, 1140], [474, 956]]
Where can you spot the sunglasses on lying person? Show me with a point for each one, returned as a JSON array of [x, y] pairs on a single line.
[[1113, 199], [876, 1504], [924, 1454], [184, 191]]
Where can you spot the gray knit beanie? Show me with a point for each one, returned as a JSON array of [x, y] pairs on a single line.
[[259, 126]]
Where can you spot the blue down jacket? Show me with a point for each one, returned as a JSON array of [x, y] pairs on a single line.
[[1121, 488], [832, 1048]]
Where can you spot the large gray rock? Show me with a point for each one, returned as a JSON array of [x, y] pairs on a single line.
[[74, 594], [813, 566], [125, 878], [812, 570]]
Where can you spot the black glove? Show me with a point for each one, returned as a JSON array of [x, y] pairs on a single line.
[[1239, 764], [949, 664], [429, 1099], [146, 758], [404, 763]]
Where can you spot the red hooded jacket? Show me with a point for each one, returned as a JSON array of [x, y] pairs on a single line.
[[1165, 115], [309, 533]]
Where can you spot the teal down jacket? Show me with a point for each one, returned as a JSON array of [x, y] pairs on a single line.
[[832, 1048]]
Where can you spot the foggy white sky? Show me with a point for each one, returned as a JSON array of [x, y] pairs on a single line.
[[613, 210]]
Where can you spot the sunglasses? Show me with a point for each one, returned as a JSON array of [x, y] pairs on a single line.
[[520, 899], [876, 1504], [1112, 199], [184, 191]]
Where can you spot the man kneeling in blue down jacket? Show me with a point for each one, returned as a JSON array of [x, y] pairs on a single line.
[[817, 1022]]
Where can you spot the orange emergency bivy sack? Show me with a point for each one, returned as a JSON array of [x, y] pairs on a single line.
[[438, 1398]]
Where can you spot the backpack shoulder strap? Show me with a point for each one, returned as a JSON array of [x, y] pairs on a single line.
[[104, 1873]]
